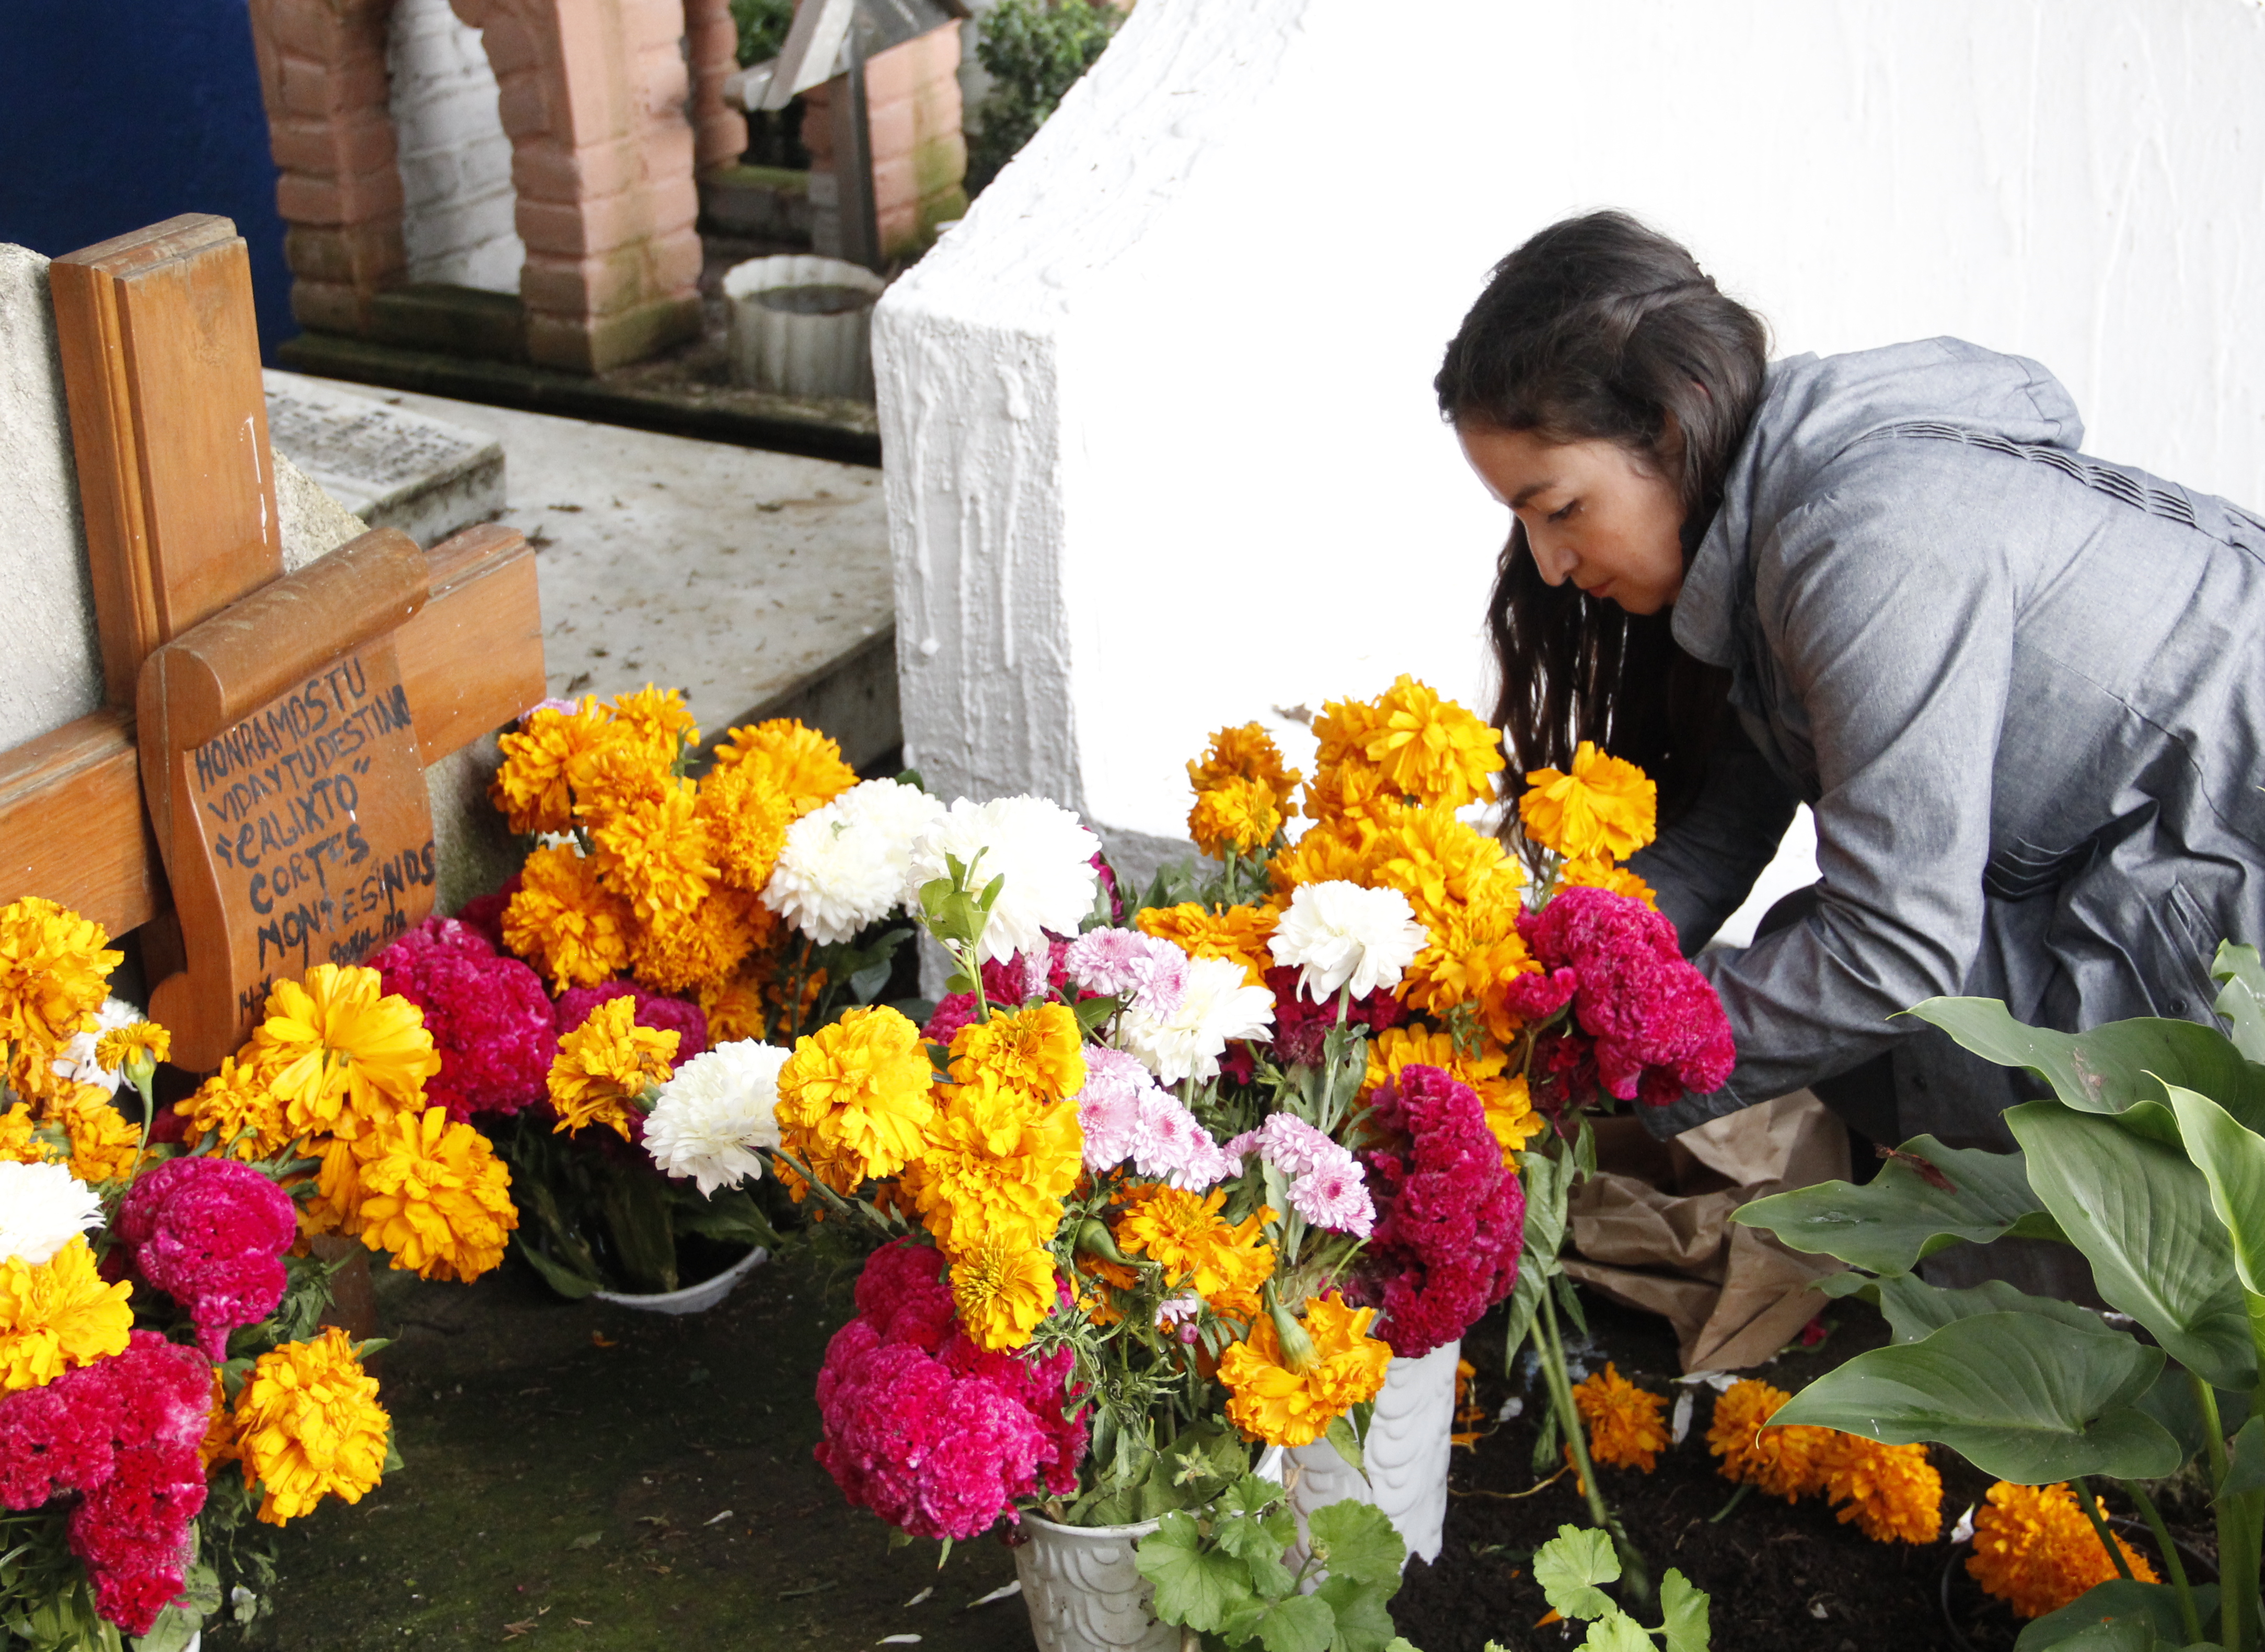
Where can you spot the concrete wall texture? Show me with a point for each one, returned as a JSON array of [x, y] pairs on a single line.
[[456, 214], [1162, 451]]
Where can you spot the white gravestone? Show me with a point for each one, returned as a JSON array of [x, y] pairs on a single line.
[[390, 466]]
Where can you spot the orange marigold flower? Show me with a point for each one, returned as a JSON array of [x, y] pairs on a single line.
[[218, 1442], [1237, 933], [1624, 1425], [733, 1005], [104, 1143], [565, 922], [1342, 729], [995, 1160], [1269, 1401], [619, 774], [342, 1052], [239, 1107], [1236, 817], [1431, 749], [435, 1196], [1246, 752], [605, 1066], [532, 786], [680, 951], [1001, 1288], [1509, 1108], [855, 1095], [1348, 791], [1605, 806], [18, 1144], [1339, 849], [1778, 1462], [1891, 1492], [659, 719], [2035, 1550], [806, 765], [1184, 1234], [1597, 872], [747, 812], [309, 1425], [1037, 1048], [54, 973], [657, 853]]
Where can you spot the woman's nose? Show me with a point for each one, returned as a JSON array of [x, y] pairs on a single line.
[[1554, 562]]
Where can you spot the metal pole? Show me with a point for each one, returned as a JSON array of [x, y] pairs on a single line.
[[853, 157]]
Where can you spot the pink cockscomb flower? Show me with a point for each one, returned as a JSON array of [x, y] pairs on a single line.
[[1150, 974], [490, 1021], [211, 1234], [1301, 1024]]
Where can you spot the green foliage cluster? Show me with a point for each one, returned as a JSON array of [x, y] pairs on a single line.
[[1572, 1565], [763, 25], [1034, 51], [2149, 1160]]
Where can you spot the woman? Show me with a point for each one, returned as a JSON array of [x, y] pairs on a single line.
[[2023, 689]]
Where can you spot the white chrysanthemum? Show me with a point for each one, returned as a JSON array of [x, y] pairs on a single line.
[[1337, 932], [844, 865], [720, 1108], [1188, 1044], [1042, 850], [75, 1062], [43, 1207]]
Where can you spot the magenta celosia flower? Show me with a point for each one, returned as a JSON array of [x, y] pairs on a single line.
[[952, 1012], [121, 1436], [1453, 1216], [1149, 974], [1301, 1024], [1657, 1026], [652, 1010], [483, 913], [490, 1021], [211, 1234]]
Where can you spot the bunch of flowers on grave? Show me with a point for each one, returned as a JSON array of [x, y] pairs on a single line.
[[168, 1392], [643, 942]]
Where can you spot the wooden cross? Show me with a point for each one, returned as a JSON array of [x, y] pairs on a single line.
[[251, 797]]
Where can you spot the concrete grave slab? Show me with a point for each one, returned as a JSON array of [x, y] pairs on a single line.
[[390, 466], [757, 582]]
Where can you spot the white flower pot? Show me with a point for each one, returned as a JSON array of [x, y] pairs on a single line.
[[1084, 1593], [1405, 1454], [801, 354], [692, 1298]]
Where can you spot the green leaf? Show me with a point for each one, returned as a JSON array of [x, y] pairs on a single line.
[[1914, 1308], [2148, 1612], [1299, 1623], [1357, 1540], [1346, 1443], [1619, 1632], [2243, 1000], [1525, 1303], [1570, 1567], [2245, 1467], [571, 1285], [2231, 1160], [1364, 1620], [1887, 1225], [2107, 1068], [1091, 1012], [2141, 1214], [1196, 1587], [1685, 1603], [2023, 1397]]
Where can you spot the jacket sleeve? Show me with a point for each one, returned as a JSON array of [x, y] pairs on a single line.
[[1891, 633], [1704, 866]]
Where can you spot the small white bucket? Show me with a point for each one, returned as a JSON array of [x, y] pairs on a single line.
[[802, 326]]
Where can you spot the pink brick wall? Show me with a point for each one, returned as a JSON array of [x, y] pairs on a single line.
[[912, 119]]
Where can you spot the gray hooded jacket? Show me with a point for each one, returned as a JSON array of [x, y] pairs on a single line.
[[2022, 688]]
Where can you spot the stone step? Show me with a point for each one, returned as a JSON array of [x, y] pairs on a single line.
[[390, 466], [758, 583]]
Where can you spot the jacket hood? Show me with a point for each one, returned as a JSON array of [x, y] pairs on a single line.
[[1813, 409]]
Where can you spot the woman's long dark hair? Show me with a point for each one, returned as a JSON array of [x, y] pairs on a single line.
[[1599, 328]]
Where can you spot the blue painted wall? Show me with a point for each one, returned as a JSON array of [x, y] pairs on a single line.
[[116, 113]]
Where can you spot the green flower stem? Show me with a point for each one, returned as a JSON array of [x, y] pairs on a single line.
[[2237, 1533], [1328, 1109], [2189, 1618], [1633, 1572], [2099, 1526]]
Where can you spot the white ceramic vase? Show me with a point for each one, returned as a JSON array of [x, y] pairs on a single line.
[[800, 354], [692, 1298], [1405, 1455], [1084, 1593]]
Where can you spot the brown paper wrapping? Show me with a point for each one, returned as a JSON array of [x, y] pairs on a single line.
[[1652, 1228]]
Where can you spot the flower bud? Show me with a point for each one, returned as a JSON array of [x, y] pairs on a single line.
[[1095, 1239], [1297, 1347]]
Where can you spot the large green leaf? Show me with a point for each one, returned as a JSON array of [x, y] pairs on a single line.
[[2137, 1610], [2243, 1000], [2108, 1067], [1685, 1605], [2141, 1214], [1570, 1567], [1888, 1225], [1914, 1308], [1357, 1540], [1363, 1613], [1196, 1586], [2231, 1160], [2024, 1397]]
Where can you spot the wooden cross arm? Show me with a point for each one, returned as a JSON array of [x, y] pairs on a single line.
[[71, 821]]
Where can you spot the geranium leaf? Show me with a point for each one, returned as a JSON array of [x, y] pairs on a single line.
[[2025, 1398], [1619, 1632], [1196, 1587], [1570, 1567], [1685, 1605], [1355, 1540], [1364, 1624], [1300, 1623], [1891, 1222]]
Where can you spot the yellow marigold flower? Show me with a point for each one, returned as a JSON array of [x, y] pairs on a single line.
[[656, 854], [18, 1144], [806, 765], [1236, 817], [2035, 1550], [1509, 1108], [996, 1159], [1625, 1429], [1237, 933], [1605, 807], [1244, 753], [566, 923], [856, 1095], [1001, 1289], [54, 973], [1037, 1048], [658, 718], [679, 951], [1891, 1492], [58, 1313], [1781, 1462], [734, 1007], [335, 1204], [238, 1106], [747, 812], [1334, 849], [532, 787], [342, 1052], [1269, 1401], [218, 1442], [1597, 872], [606, 1064], [121, 1047], [1343, 730], [308, 1426], [1184, 1234], [619, 774], [433, 1194], [1348, 791], [1431, 749], [104, 1143]]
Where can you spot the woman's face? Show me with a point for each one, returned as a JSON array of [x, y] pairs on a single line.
[[1594, 511]]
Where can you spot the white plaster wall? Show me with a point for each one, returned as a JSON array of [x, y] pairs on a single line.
[[1162, 451], [455, 158]]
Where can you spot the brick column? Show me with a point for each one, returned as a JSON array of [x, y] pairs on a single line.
[[321, 75], [711, 40], [920, 155]]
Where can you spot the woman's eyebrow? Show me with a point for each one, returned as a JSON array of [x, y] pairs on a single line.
[[1528, 492]]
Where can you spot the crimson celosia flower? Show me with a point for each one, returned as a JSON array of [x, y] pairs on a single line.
[[490, 1021], [1655, 1025], [211, 1234], [653, 1010], [1301, 1024], [1452, 1215]]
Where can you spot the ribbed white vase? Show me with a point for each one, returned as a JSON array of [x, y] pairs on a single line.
[[1405, 1455], [800, 354], [1084, 1593]]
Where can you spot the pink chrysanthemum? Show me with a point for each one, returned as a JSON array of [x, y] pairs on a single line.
[[211, 1234], [1149, 974], [1327, 1185], [1124, 1116]]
